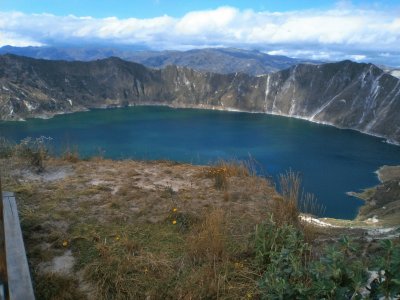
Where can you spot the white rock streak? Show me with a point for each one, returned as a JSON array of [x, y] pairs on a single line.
[[266, 92], [323, 107]]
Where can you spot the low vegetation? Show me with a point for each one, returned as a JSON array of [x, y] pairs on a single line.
[[102, 229]]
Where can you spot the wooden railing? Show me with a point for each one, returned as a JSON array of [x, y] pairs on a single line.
[[3, 261], [15, 279]]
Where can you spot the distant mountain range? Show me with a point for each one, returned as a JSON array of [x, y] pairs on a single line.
[[344, 94], [216, 60]]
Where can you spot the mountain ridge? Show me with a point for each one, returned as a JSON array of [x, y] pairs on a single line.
[[345, 94], [216, 60]]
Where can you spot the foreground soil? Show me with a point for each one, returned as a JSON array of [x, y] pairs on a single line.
[[104, 229]]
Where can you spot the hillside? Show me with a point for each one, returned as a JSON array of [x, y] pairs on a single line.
[[343, 94], [383, 199]]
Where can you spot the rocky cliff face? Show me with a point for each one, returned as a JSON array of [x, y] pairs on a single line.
[[344, 94]]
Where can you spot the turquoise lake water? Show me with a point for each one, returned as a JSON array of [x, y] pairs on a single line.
[[331, 161]]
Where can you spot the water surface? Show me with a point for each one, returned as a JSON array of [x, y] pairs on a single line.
[[331, 161]]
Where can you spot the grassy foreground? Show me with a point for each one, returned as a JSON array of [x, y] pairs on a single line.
[[104, 229]]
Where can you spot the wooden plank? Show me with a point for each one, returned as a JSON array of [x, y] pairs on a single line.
[[19, 278], [3, 261]]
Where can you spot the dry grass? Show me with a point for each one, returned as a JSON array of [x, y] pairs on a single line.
[[71, 155], [128, 276], [223, 170], [117, 218], [285, 212], [206, 255], [207, 242], [147, 230], [285, 207], [215, 266], [56, 287]]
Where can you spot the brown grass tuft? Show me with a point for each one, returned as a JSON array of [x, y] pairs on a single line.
[[223, 170], [285, 212], [285, 208], [207, 241], [71, 155]]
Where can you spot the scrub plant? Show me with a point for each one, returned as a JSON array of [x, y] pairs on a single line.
[[339, 273], [282, 258], [289, 271], [389, 270], [35, 151]]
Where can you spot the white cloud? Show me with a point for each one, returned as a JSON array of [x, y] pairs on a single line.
[[344, 29], [358, 57], [10, 38], [314, 54], [207, 22]]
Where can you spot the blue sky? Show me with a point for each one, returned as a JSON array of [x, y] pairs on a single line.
[[173, 8], [150, 8], [326, 30]]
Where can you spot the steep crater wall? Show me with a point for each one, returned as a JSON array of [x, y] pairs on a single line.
[[344, 94]]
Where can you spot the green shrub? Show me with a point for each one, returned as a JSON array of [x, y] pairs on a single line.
[[288, 272], [339, 273], [389, 270], [281, 255]]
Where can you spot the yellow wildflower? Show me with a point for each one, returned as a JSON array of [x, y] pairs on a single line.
[[175, 209], [174, 222], [65, 243], [238, 265]]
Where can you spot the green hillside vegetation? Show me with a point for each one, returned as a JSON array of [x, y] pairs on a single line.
[[123, 229]]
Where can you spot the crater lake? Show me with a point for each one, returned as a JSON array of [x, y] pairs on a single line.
[[331, 161]]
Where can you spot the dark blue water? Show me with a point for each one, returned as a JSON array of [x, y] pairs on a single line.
[[331, 161]]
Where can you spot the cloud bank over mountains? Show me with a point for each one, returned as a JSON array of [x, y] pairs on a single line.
[[341, 32]]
